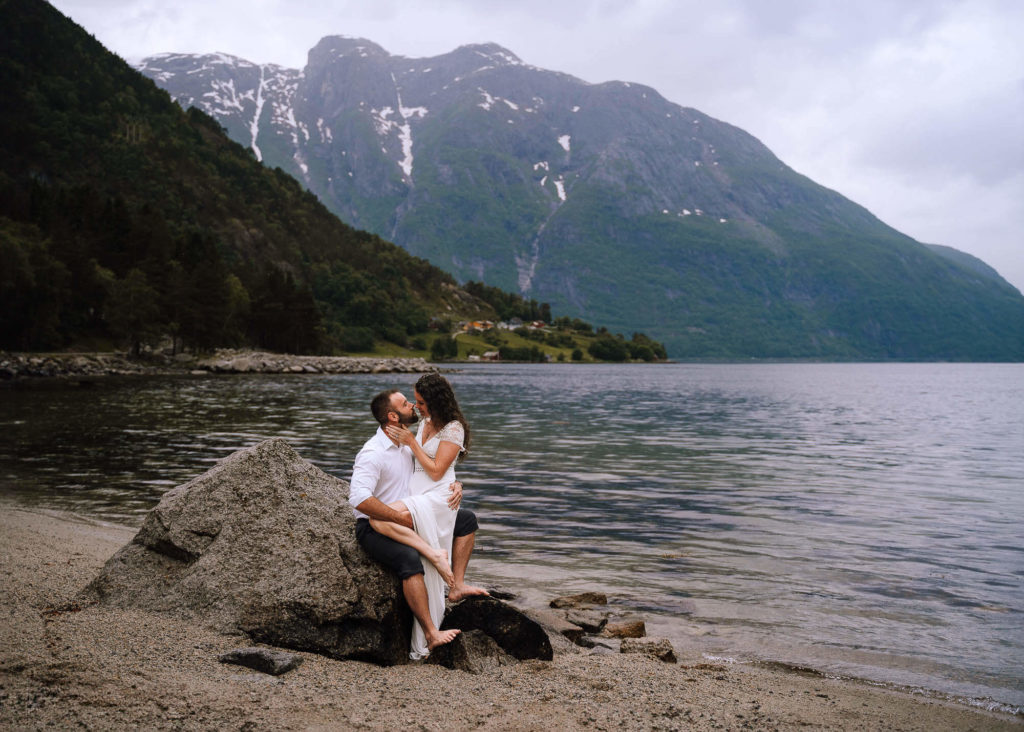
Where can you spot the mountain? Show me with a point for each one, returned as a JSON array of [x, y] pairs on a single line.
[[125, 218], [605, 200], [969, 262]]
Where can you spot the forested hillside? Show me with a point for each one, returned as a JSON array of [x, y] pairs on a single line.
[[124, 218]]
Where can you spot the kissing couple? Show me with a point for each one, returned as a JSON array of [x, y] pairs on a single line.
[[406, 501]]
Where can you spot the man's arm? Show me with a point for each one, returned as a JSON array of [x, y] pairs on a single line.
[[365, 476], [375, 508]]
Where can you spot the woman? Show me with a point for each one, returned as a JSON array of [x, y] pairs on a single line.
[[443, 438]]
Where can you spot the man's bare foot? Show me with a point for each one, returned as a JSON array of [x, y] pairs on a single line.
[[440, 562], [462, 591], [440, 637]]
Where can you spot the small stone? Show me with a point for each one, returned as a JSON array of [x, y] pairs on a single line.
[[660, 648], [590, 620], [584, 598], [266, 660], [625, 629]]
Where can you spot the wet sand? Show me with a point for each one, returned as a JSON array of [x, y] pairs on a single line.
[[63, 666]]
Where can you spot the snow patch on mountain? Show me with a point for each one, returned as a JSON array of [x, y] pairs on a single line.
[[405, 130], [497, 55], [381, 122], [254, 126], [564, 142], [325, 132], [560, 187], [489, 101], [224, 97]]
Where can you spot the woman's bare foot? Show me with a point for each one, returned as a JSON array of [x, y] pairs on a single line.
[[440, 637], [440, 562], [462, 591]]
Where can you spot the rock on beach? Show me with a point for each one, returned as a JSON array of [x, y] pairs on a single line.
[[266, 660], [262, 544], [659, 648]]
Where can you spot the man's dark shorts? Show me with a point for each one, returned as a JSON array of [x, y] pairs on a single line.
[[404, 559]]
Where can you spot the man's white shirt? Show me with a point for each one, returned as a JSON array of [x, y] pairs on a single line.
[[382, 470]]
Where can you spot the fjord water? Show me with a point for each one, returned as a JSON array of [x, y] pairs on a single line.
[[861, 519]]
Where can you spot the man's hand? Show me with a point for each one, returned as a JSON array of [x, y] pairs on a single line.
[[456, 495], [375, 508]]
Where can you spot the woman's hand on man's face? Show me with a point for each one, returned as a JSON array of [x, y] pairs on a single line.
[[401, 435]]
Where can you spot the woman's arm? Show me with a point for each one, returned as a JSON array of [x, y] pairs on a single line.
[[435, 466]]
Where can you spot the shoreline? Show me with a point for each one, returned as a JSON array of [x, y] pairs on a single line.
[[58, 666], [71, 366]]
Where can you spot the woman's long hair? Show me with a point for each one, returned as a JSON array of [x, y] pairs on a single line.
[[441, 402]]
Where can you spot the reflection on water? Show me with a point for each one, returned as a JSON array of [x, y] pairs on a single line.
[[859, 518]]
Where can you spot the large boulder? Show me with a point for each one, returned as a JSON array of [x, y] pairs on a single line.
[[263, 544]]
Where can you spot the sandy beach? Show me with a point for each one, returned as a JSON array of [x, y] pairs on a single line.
[[63, 666]]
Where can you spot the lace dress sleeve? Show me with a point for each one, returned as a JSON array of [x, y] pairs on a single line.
[[453, 432]]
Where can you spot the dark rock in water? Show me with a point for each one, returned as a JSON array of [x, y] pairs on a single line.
[[589, 620], [584, 598], [267, 660], [263, 543], [660, 648], [473, 651], [514, 632]]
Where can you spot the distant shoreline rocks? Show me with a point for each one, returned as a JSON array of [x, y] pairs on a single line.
[[245, 362], [223, 361]]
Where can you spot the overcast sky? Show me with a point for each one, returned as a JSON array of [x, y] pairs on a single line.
[[912, 108]]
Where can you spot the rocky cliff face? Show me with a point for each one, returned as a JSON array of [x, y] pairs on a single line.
[[606, 200]]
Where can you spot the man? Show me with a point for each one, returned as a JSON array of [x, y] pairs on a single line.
[[381, 476]]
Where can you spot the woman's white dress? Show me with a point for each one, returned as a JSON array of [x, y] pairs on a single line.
[[434, 522]]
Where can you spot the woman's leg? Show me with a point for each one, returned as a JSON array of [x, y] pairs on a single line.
[[405, 535]]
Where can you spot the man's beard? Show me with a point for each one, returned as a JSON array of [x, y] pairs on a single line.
[[413, 418]]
